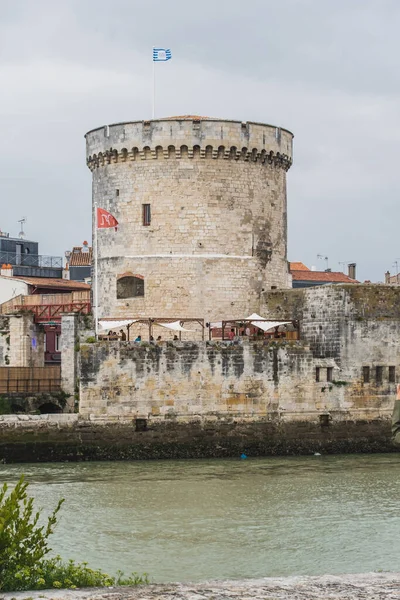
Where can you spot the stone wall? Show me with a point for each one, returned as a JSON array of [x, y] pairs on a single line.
[[217, 237], [4, 341], [26, 341], [196, 380], [72, 437]]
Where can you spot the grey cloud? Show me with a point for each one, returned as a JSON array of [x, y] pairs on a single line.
[[326, 70]]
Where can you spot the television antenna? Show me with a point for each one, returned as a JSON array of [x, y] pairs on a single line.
[[320, 256], [21, 234]]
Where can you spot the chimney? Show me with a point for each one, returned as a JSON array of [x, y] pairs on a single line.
[[387, 277], [352, 270], [6, 271]]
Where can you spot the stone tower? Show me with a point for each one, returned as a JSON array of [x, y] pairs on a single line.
[[201, 205]]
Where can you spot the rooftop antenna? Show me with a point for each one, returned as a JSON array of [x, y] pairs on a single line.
[[323, 258], [21, 234]]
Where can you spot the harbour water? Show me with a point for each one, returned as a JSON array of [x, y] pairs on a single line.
[[216, 519]]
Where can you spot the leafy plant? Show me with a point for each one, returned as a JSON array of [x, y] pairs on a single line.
[[5, 406], [24, 547], [23, 544], [91, 339]]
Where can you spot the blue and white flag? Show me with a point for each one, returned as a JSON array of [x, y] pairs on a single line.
[[161, 54]]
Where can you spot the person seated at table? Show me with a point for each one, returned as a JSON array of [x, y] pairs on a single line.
[[159, 339], [123, 335], [175, 338], [138, 339]]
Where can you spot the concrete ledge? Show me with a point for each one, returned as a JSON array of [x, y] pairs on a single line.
[[374, 586]]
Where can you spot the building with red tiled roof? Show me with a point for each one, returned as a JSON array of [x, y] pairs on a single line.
[[79, 262], [298, 266], [303, 277]]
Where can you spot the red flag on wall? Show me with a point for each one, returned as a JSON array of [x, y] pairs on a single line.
[[105, 219]]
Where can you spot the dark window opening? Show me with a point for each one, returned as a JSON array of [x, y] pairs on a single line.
[[146, 214], [392, 374], [141, 425], [366, 374], [324, 420], [329, 374], [317, 374], [130, 287], [378, 375], [117, 192]]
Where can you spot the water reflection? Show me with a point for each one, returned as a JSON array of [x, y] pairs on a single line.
[[203, 519]]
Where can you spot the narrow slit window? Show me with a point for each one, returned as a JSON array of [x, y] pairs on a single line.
[[366, 374], [392, 374], [117, 192], [378, 375], [329, 374], [146, 214], [317, 374]]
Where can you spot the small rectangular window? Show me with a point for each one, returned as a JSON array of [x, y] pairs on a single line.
[[392, 374], [146, 214], [58, 342], [117, 192], [329, 374], [366, 374], [378, 375], [317, 374]]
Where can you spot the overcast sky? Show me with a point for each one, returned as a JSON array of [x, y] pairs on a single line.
[[328, 70]]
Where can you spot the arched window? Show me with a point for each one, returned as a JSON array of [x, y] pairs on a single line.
[[130, 286]]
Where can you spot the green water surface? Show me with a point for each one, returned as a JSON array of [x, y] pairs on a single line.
[[215, 519]]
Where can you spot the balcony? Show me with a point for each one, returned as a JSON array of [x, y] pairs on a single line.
[[31, 260]]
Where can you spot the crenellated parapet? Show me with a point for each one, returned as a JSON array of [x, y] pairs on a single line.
[[189, 137], [113, 156]]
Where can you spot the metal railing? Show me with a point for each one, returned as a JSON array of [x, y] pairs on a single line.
[[31, 260], [29, 386]]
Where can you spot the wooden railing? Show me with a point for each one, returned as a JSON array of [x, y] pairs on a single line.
[[48, 306], [26, 380]]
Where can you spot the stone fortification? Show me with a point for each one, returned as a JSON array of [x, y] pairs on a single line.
[[344, 366], [201, 205]]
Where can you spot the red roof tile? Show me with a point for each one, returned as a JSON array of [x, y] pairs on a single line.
[[49, 282], [298, 266], [79, 258], [323, 276]]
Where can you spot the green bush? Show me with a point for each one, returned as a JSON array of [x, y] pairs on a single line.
[[5, 406], [24, 547], [91, 339]]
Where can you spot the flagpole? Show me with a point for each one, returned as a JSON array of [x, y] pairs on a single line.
[[96, 284], [154, 84]]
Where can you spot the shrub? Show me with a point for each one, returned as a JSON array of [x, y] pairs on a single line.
[[24, 546], [22, 543], [91, 339], [5, 406]]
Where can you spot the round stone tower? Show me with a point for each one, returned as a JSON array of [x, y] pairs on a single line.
[[201, 206]]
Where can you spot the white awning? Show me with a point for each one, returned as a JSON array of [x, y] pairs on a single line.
[[115, 324], [267, 325], [255, 317], [264, 324], [175, 326]]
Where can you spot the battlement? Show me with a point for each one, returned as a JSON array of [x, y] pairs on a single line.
[[189, 137]]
